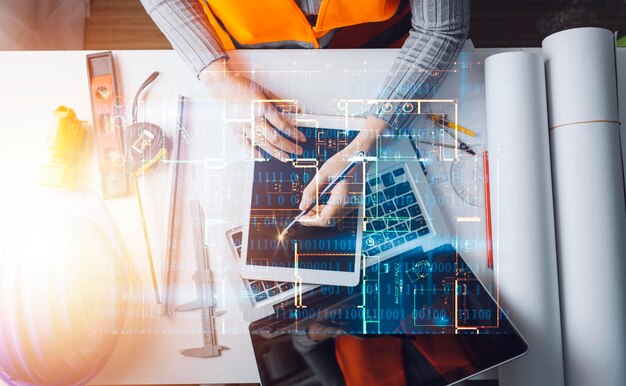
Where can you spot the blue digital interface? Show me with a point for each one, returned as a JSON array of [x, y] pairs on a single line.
[[276, 195]]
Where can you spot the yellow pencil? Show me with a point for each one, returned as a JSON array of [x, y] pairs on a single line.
[[441, 118]]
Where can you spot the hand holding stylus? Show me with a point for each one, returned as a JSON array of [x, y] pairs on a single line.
[[323, 214]]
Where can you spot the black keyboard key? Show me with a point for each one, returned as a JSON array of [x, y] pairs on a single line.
[[397, 191], [269, 284], [390, 235], [391, 221], [402, 227], [388, 179], [398, 172], [414, 210], [386, 247], [372, 200], [398, 241], [377, 238], [403, 188], [423, 232], [260, 297], [389, 207], [369, 213], [286, 286], [405, 201], [372, 251], [273, 292], [417, 223], [402, 214], [255, 287], [380, 197], [368, 190], [411, 236], [374, 181], [378, 225], [409, 199]]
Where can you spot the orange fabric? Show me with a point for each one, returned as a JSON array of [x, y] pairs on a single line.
[[357, 36], [253, 22], [372, 361], [447, 353]]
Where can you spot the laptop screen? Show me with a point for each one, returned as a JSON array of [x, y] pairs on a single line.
[[418, 318]]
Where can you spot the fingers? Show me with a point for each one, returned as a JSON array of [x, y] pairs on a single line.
[[327, 215], [281, 104], [270, 134], [259, 139], [281, 124]]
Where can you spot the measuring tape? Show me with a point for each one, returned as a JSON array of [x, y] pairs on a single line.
[[108, 123]]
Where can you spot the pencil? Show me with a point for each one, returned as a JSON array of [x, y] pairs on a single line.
[[488, 210], [442, 119]]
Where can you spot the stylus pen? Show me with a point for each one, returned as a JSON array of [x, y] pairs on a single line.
[[327, 189]]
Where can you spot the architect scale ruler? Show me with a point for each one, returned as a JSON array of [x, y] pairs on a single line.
[[177, 198], [108, 123]]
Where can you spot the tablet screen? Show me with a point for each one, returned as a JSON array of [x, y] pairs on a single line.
[[276, 194], [418, 318]]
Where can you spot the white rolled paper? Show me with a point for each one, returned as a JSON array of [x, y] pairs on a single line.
[[523, 215], [590, 209]]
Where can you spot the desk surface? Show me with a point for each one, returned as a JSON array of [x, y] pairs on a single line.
[[35, 83]]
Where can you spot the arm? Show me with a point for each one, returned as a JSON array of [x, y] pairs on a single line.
[[438, 31], [185, 25]]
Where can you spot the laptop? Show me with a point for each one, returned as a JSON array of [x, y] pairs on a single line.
[[415, 290]]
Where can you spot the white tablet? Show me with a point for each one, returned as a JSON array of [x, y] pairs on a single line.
[[317, 255]]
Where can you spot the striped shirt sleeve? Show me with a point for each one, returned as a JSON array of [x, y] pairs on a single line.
[[185, 25], [438, 31]]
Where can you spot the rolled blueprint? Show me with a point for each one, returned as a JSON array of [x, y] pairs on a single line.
[[589, 203], [523, 215]]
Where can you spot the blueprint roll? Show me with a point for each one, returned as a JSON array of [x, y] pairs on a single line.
[[589, 203], [523, 215]]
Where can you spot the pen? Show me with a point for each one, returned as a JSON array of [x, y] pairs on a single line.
[[442, 119], [327, 189], [462, 145], [487, 210]]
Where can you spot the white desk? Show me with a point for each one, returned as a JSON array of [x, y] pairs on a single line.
[[32, 84]]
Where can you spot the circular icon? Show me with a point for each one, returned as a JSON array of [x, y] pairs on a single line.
[[407, 107], [387, 107], [467, 177]]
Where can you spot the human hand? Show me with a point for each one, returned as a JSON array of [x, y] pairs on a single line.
[[241, 92], [322, 215]]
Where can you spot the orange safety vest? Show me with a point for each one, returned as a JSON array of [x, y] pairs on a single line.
[[263, 21]]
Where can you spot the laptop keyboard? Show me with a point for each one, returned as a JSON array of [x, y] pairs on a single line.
[[394, 217], [260, 289], [393, 214]]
